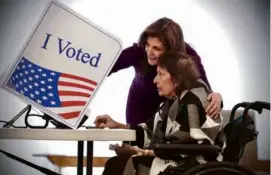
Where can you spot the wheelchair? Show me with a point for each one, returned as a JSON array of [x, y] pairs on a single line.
[[236, 134]]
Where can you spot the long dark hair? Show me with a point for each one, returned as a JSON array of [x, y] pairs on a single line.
[[170, 34]]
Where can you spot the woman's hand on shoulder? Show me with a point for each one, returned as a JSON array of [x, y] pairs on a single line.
[[214, 107]]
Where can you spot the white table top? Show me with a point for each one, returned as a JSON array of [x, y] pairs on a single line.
[[68, 134]]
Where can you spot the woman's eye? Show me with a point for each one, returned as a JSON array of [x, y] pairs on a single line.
[[157, 49]]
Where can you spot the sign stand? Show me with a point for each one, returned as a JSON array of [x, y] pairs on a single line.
[[45, 117], [58, 125]]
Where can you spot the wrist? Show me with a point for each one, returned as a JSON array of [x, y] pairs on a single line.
[[122, 126]]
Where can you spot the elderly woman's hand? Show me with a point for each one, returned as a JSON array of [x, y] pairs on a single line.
[[126, 150], [105, 121], [214, 108]]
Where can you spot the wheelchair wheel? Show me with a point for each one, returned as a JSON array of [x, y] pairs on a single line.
[[218, 168]]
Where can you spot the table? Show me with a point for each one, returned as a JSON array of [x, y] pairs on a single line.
[[79, 135]]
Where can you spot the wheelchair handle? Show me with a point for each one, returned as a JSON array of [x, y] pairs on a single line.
[[238, 105], [257, 106]]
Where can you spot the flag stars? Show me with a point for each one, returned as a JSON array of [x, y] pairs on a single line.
[[36, 83], [50, 94]]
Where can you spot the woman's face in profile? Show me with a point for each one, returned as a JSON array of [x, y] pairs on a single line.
[[163, 80], [154, 49]]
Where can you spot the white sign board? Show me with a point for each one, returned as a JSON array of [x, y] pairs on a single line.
[[63, 64]]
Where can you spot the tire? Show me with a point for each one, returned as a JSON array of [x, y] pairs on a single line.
[[218, 168]]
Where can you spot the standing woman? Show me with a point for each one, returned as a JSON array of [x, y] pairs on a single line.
[[143, 99]]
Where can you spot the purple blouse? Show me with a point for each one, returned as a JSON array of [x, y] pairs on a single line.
[[143, 99]]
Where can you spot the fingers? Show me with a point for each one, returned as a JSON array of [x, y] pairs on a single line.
[[97, 121], [213, 108], [99, 118], [213, 111], [105, 121], [212, 103], [101, 121], [124, 145], [209, 98], [119, 151], [125, 151]]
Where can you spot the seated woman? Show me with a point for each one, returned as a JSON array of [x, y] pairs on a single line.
[[181, 117]]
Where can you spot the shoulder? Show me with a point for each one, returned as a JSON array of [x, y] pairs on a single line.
[[129, 56], [134, 49], [198, 93], [190, 50]]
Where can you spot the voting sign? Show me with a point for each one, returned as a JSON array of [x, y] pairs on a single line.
[[63, 64]]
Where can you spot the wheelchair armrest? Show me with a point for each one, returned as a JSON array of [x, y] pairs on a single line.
[[194, 149]]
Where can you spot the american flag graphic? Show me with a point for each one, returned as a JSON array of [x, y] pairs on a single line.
[[63, 94]]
